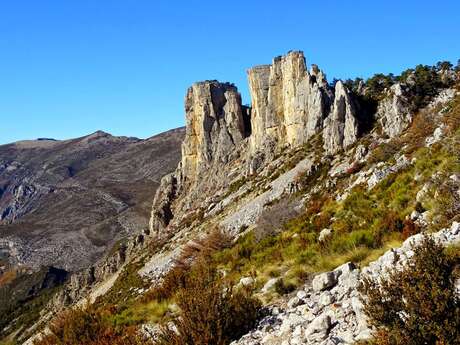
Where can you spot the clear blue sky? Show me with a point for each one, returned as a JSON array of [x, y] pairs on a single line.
[[69, 68]]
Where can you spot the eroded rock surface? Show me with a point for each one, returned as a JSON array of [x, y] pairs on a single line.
[[215, 125], [394, 113], [341, 126], [288, 102]]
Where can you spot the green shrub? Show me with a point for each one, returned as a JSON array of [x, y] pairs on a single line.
[[418, 305]]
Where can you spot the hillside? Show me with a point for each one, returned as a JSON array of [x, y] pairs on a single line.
[[276, 212], [63, 203]]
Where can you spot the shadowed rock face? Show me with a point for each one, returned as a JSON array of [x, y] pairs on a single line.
[[341, 126], [63, 203]]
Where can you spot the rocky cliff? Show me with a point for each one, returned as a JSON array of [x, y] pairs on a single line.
[[289, 105], [216, 125]]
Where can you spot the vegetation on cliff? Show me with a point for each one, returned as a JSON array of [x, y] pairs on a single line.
[[418, 305]]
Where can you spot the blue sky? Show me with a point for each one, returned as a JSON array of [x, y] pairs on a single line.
[[69, 68]]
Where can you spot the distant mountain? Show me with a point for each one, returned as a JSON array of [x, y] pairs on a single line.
[[63, 203]]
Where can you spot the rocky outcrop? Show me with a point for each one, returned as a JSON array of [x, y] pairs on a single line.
[[162, 213], [85, 282], [394, 113], [288, 102], [289, 106], [341, 126], [329, 310], [215, 126]]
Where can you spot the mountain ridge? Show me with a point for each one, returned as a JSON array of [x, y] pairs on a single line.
[[40, 179], [313, 179]]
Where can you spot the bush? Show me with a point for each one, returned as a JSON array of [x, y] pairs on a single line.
[[90, 327], [283, 288], [390, 222], [211, 311], [175, 278], [409, 228], [418, 305]]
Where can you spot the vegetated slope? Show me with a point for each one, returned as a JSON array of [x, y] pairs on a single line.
[[24, 294], [63, 203], [317, 176]]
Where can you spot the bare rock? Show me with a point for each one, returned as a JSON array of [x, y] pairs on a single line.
[[319, 328], [324, 235], [393, 112], [341, 126], [324, 281], [288, 103], [215, 125]]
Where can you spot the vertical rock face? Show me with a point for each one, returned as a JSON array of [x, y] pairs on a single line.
[[214, 126], [341, 126], [288, 103], [393, 112]]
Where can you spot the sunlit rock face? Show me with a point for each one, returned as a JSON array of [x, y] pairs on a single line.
[[393, 112], [224, 140], [214, 126], [289, 103]]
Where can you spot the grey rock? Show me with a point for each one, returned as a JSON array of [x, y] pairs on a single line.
[[214, 126], [294, 302], [318, 329], [394, 112], [301, 295], [288, 102], [326, 298], [324, 281], [246, 281], [270, 284], [324, 235], [341, 126]]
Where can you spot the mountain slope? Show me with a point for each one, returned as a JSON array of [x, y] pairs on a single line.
[[63, 203], [275, 197]]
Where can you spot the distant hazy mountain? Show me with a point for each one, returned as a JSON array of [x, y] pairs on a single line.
[[62, 203]]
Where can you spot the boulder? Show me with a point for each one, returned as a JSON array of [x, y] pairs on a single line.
[[270, 284], [301, 295], [246, 281], [326, 298], [318, 329], [324, 281], [324, 235], [294, 302]]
